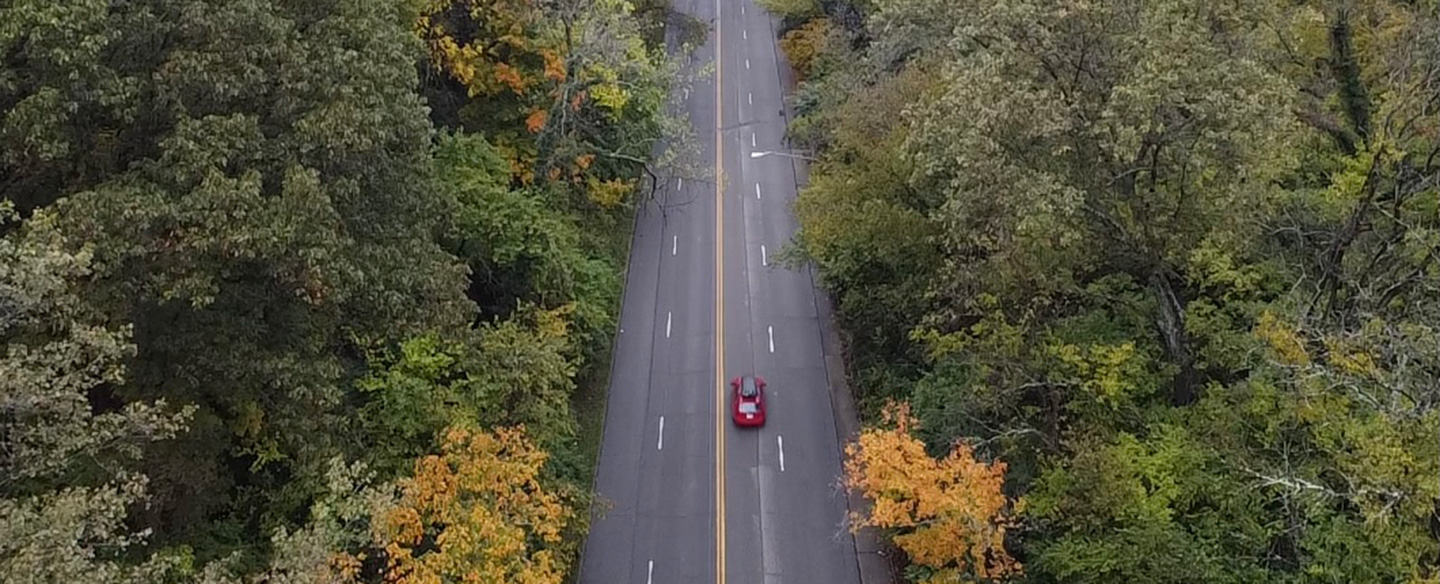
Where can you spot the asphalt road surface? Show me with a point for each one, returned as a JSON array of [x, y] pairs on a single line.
[[688, 496]]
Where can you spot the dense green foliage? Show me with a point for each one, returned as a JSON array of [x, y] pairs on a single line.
[[1175, 262], [249, 276]]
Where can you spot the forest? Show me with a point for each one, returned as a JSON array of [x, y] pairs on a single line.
[[323, 290], [1133, 290], [313, 290]]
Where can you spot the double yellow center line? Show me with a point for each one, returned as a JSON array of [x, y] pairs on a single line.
[[719, 305]]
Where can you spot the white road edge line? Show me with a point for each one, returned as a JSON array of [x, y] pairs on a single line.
[[668, 314], [764, 261], [674, 244], [757, 190], [780, 441], [649, 571], [660, 445], [679, 184], [770, 330]]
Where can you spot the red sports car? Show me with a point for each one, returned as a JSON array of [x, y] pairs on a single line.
[[748, 404]]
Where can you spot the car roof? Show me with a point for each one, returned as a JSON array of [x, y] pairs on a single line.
[[747, 386]]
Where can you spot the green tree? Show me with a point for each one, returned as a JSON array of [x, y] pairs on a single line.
[[513, 372], [67, 450], [520, 247], [274, 208], [1179, 260], [257, 187], [867, 228], [1116, 139]]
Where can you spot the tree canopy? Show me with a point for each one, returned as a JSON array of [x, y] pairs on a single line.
[[950, 514], [265, 262], [1171, 262]]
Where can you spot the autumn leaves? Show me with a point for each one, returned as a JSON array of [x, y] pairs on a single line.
[[475, 513], [566, 73], [281, 281], [1170, 260], [949, 515]]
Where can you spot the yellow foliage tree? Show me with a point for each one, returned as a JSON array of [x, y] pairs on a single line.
[[549, 73], [503, 48], [950, 513], [804, 44], [608, 193], [476, 513]]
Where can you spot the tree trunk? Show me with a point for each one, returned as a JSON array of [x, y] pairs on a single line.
[[1354, 97], [1170, 320], [1332, 263]]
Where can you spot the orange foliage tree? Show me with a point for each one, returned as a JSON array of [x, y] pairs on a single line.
[[950, 514], [490, 46], [556, 84], [476, 513], [505, 52], [803, 45]]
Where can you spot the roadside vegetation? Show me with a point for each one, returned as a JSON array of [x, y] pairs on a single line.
[[1170, 268], [302, 290]]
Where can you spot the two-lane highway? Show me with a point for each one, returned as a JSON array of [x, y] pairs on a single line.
[[687, 496]]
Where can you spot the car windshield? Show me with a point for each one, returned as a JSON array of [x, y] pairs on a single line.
[[748, 408], [747, 387]]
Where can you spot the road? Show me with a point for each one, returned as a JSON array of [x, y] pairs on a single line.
[[689, 497]]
